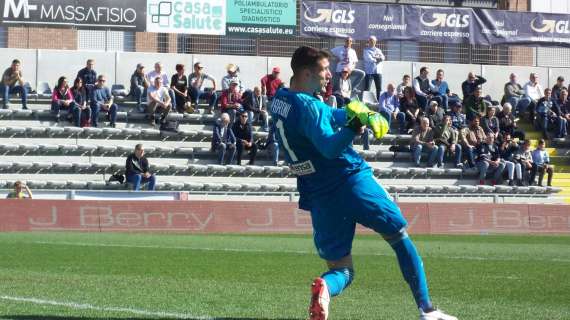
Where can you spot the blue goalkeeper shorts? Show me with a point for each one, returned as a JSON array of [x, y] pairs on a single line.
[[360, 200]]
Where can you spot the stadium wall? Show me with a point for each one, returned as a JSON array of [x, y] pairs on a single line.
[[267, 217]]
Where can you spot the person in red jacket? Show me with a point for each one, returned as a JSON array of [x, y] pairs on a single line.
[[231, 101]]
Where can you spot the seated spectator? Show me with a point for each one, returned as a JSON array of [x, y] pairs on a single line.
[[80, 97], [62, 98], [458, 119], [342, 88], [224, 140], [435, 114], [564, 105], [389, 107], [102, 100], [489, 161], [231, 101], [244, 138], [158, 72], [179, 84], [475, 105], [507, 149], [409, 106], [558, 87], [270, 83], [471, 138], [523, 156], [139, 85], [541, 164], [273, 145], [513, 92], [18, 193], [346, 58], [196, 80], [508, 123], [547, 119], [533, 93], [442, 94], [423, 141], [13, 83], [423, 88], [255, 104], [89, 77], [232, 76], [490, 123], [469, 86], [561, 115], [158, 101], [406, 82], [137, 170], [446, 138]]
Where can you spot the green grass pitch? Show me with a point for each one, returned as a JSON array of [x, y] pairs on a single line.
[[54, 276]]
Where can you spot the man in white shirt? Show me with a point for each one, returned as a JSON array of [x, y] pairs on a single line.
[[158, 72], [533, 93], [373, 58], [347, 58], [158, 101]]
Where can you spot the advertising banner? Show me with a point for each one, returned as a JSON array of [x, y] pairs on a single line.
[[273, 17], [126, 15], [186, 16]]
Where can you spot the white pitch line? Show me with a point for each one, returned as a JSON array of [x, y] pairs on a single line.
[[86, 306], [84, 244]]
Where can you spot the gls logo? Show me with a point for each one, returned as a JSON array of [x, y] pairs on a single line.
[[551, 26], [444, 20], [16, 7], [328, 15]]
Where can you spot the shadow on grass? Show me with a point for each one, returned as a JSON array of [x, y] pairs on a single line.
[[34, 317]]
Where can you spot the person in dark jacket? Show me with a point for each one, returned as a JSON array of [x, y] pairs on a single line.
[[89, 77], [244, 138], [80, 97], [468, 86], [139, 85], [223, 139], [137, 170], [489, 160]]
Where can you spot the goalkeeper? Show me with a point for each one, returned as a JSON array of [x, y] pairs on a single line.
[[337, 186]]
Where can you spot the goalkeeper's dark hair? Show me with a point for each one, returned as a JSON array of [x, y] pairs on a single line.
[[306, 57]]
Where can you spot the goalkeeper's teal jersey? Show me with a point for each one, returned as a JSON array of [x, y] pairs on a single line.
[[318, 146]]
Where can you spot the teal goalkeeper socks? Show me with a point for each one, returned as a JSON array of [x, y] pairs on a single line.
[[337, 280]]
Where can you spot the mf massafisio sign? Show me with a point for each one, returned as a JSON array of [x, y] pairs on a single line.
[[127, 15], [187, 16]]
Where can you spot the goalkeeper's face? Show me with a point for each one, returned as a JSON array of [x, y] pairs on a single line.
[[320, 75]]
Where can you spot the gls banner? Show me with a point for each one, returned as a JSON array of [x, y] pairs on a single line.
[[187, 16], [127, 15]]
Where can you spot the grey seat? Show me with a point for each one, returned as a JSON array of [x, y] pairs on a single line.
[[21, 113], [6, 113], [251, 187], [231, 186], [92, 132], [486, 189], [287, 188], [216, 169], [130, 132], [15, 131], [213, 186], [434, 189], [73, 130], [182, 151], [272, 170], [42, 166], [503, 189], [233, 169], [164, 150], [469, 189], [36, 131], [106, 148], [396, 171], [96, 185], [267, 187], [254, 170], [101, 166], [451, 189], [8, 147], [55, 131], [86, 148], [433, 172], [173, 116], [174, 185], [418, 171], [68, 148], [63, 166], [382, 172], [112, 132], [28, 148], [49, 148], [197, 169], [37, 184], [177, 168], [150, 133], [416, 189], [82, 166], [22, 166], [56, 184], [193, 186], [76, 185]]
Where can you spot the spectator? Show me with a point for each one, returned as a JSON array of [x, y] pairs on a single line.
[[435, 114], [18, 193], [508, 123], [564, 105], [224, 140], [472, 138], [489, 161], [137, 170], [255, 104], [406, 82], [62, 98], [541, 164], [347, 58], [409, 106], [13, 83], [327, 95], [513, 92], [533, 93], [423, 141], [560, 115], [231, 76], [158, 101], [546, 116], [446, 138], [507, 150], [270, 83], [469, 86], [139, 84], [196, 80], [179, 84], [458, 119], [559, 86], [442, 94], [80, 97], [373, 64], [158, 72], [231, 101], [490, 123], [89, 77], [424, 88], [523, 156], [390, 107], [101, 99], [342, 88], [272, 144], [244, 138], [475, 104]]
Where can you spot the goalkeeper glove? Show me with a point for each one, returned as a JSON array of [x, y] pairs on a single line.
[[358, 114]]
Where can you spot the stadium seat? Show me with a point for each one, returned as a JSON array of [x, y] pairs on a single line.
[[86, 148], [63, 167], [369, 98], [186, 152], [56, 184], [193, 186], [273, 170], [6, 113], [42, 166], [216, 169], [96, 185], [81, 167], [177, 169], [174, 186], [451, 189], [76, 185], [106, 149], [287, 188], [36, 131], [434, 189], [468, 189], [44, 90], [213, 186], [417, 172], [49, 148], [55, 131], [267, 187], [235, 169], [252, 170], [15, 131], [231, 186], [196, 169], [486, 189], [68, 148], [251, 187]]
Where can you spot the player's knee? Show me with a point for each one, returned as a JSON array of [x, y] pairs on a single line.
[[394, 238]]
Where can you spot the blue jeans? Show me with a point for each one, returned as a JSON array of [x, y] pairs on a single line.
[[138, 93], [417, 154], [442, 101], [138, 179], [456, 155], [485, 167], [112, 113], [422, 102], [73, 108], [377, 83], [401, 117], [470, 154], [197, 94], [262, 118], [274, 150], [365, 136], [221, 148], [23, 91], [522, 105]]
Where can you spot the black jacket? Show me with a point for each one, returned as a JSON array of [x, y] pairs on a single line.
[[243, 132], [136, 166]]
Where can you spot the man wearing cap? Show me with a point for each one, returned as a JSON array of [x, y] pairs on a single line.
[[232, 75], [196, 82], [558, 87], [373, 58], [158, 72], [139, 84], [347, 58], [270, 83], [231, 100]]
